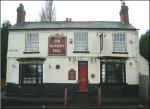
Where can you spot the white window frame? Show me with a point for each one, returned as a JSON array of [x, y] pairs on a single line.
[[119, 42], [81, 41], [32, 42]]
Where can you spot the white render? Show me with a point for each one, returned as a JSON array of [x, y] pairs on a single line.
[[16, 46]]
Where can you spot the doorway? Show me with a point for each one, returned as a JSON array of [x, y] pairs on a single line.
[[83, 76]]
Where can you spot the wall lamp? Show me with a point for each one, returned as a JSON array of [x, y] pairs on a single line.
[[13, 65]]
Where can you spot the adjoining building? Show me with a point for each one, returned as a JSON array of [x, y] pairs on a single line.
[[46, 57]]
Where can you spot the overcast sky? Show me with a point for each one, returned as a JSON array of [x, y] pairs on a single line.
[[82, 11]]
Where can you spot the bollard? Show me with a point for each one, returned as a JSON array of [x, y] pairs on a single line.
[[65, 97], [99, 96]]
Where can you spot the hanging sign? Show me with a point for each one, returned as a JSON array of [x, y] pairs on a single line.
[[57, 45]]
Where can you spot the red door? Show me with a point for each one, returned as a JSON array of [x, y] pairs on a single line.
[[83, 76]]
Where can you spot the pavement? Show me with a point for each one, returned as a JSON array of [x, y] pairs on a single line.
[[14, 102]]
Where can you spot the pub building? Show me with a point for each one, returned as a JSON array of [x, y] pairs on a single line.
[[47, 57]]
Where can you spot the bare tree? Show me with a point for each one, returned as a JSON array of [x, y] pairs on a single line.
[[48, 13]]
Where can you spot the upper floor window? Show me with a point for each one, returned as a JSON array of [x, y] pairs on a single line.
[[81, 41], [119, 43], [32, 42]]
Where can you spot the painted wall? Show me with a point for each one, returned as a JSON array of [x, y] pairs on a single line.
[[53, 75], [16, 48], [12, 74]]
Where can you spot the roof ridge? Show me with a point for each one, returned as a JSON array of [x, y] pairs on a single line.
[[73, 24]]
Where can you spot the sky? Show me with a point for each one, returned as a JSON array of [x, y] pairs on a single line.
[[81, 11]]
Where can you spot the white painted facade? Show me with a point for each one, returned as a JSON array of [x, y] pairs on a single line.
[[16, 47]]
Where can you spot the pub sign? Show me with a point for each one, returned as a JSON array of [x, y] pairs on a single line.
[[57, 45]]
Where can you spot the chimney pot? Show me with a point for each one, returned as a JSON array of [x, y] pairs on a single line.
[[66, 19], [70, 19]]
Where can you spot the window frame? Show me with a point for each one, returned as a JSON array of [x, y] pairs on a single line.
[[21, 74], [119, 43], [83, 48], [123, 71], [31, 46]]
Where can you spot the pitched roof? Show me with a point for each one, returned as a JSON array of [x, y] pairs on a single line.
[[72, 25]]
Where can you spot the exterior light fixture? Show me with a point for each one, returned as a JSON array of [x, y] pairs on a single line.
[[131, 42], [130, 63], [13, 66], [49, 66], [70, 41]]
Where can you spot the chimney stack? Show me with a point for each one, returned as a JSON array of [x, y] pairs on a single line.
[[124, 14], [20, 14]]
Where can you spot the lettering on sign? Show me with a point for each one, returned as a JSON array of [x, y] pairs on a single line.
[[57, 45]]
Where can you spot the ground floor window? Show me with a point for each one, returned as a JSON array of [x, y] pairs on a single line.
[[31, 72], [113, 71]]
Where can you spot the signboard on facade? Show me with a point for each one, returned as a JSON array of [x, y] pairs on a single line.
[[71, 74], [57, 45]]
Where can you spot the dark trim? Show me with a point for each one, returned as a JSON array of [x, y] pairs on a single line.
[[102, 83], [30, 59], [81, 52], [124, 73], [100, 72], [112, 57], [119, 52], [106, 77], [101, 42], [31, 52], [20, 74], [54, 89]]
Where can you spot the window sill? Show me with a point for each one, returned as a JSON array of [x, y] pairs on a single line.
[[30, 52], [81, 52], [119, 52]]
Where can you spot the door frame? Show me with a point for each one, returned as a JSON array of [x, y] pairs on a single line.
[[86, 62]]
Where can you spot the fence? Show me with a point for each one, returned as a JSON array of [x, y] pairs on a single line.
[[144, 87]]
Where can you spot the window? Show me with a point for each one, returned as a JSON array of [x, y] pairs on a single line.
[[57, 66], [31, 73], [112, 72], [103, 73], [32, 42], [119, 43], [81, 41]]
